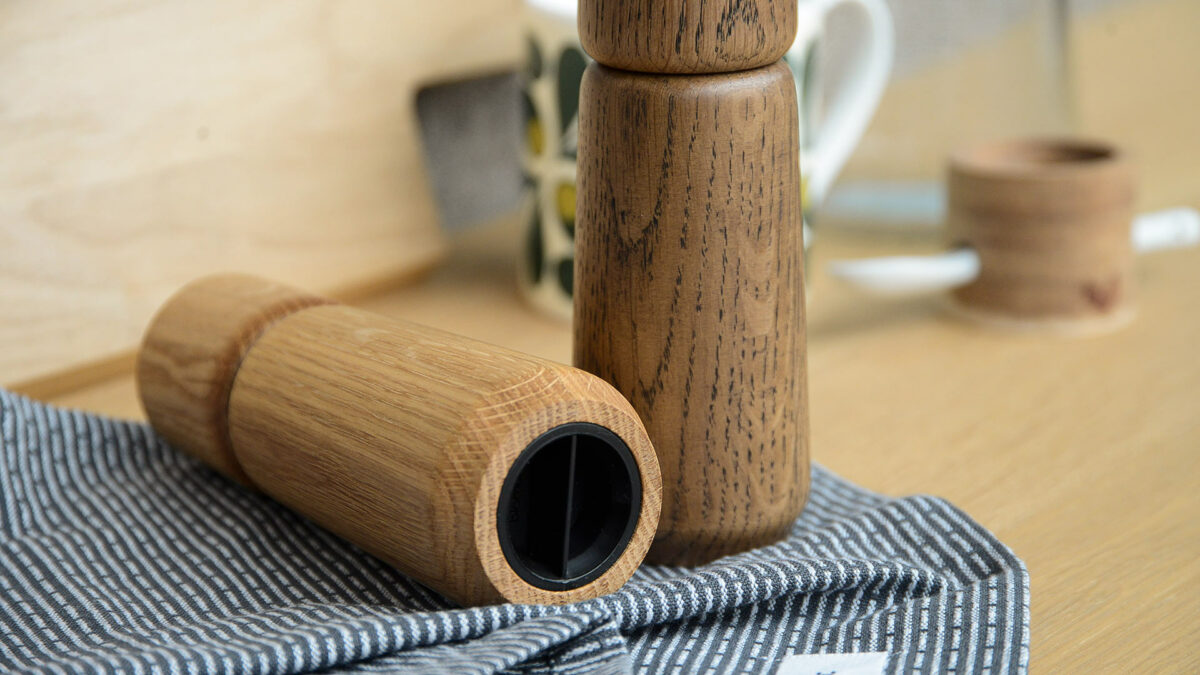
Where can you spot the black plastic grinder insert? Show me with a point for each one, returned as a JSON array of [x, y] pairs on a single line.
[[569, 506]]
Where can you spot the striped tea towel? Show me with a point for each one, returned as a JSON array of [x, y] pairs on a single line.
[[119, 554]]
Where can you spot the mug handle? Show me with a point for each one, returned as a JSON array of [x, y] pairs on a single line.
[[852, 107]]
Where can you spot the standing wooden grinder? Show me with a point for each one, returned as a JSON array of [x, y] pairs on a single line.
[[689, 291]]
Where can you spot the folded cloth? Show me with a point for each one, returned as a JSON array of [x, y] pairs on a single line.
[[119, 554]]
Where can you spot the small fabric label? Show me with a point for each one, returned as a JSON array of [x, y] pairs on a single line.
[[864, 663]]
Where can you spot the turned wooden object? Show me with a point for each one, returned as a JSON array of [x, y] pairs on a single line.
[[483, 473], [687, 36], [688, 290], [1050, 220]]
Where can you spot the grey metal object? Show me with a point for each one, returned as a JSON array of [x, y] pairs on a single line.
[[471, 134]]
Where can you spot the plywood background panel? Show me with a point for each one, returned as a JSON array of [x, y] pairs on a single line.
[[143, 144]]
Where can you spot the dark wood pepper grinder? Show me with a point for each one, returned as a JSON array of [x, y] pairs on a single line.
[[689, 295]]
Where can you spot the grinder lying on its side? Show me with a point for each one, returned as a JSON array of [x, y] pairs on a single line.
[[486, 474]]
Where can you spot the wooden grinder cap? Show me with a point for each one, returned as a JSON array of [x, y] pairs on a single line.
[[1050, 220], [687, 36], [484, 473]]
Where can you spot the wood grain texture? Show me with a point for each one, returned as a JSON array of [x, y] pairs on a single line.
[[395, 436], [192, 350], [687, 36], [1051, 222], [147, 144], [689, 296]]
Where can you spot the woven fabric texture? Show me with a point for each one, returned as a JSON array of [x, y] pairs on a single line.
[[119, 554]]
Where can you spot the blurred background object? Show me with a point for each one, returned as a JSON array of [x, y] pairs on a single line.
[[1123, 70], [549, 100], [965, 72], [469, 128], [915, 275]]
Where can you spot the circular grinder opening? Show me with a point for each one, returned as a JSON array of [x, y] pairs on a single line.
[[569, 506]]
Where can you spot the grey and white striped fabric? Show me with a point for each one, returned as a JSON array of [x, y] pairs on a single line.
[[118, 554]]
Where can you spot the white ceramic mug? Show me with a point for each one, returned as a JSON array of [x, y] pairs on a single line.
[[550, 92]]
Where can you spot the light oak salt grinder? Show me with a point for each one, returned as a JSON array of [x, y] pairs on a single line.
[[689, 295], [486, 474]]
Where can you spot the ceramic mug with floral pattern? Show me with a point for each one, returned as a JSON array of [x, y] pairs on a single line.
[[550, 98]]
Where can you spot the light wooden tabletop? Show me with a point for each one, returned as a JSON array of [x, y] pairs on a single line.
[[1083, 455]]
